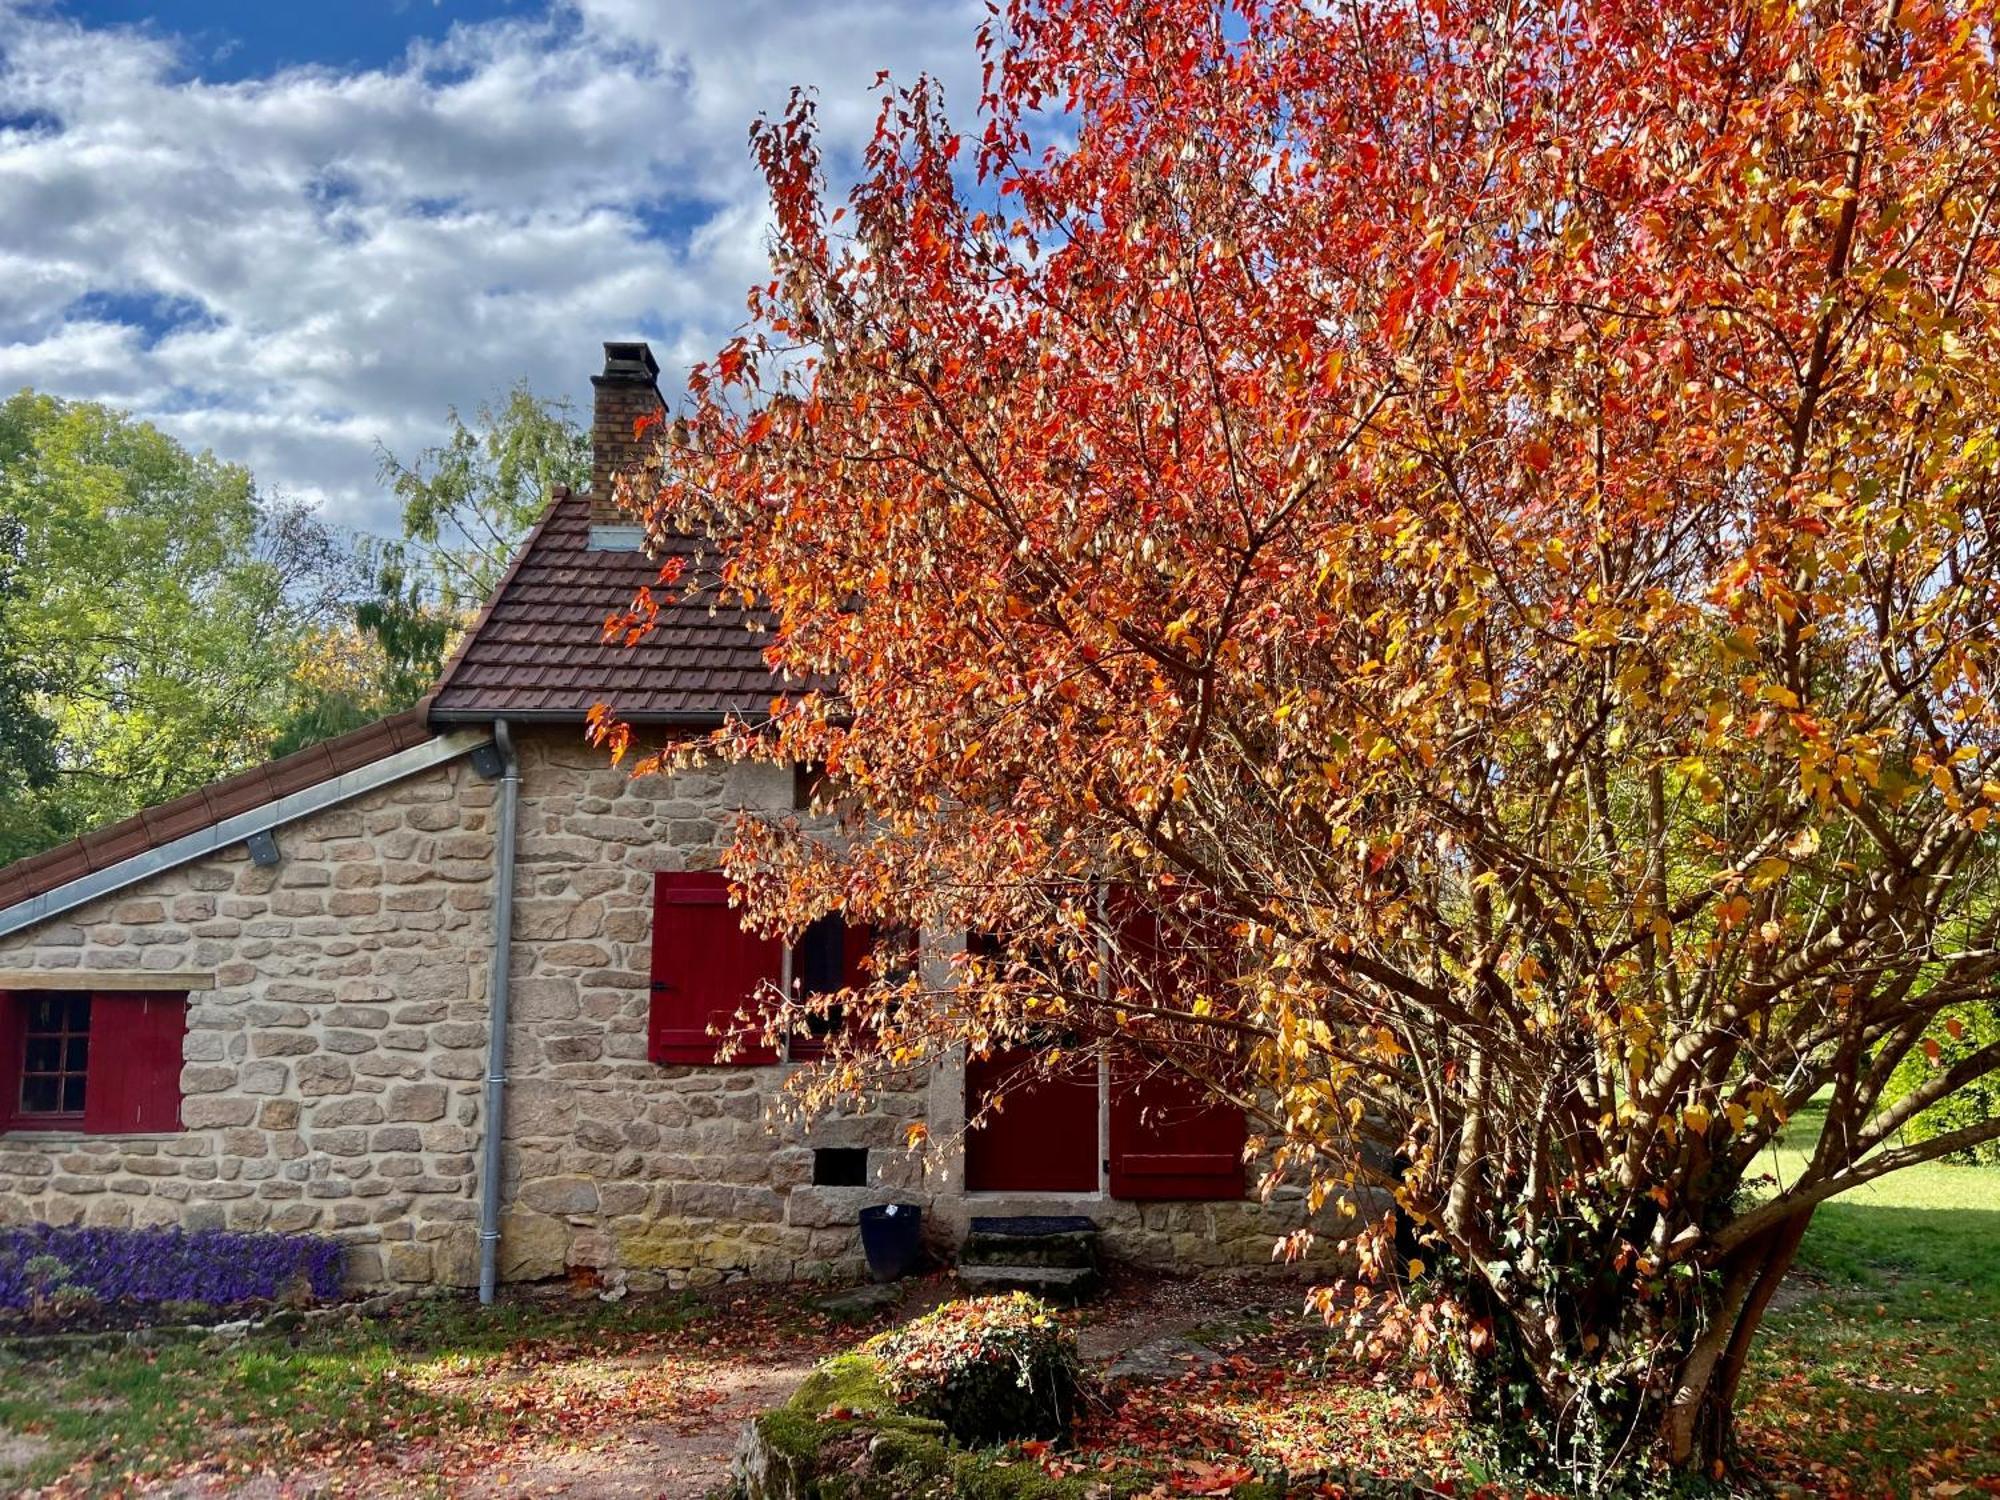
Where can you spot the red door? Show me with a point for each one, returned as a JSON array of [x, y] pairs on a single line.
[[1043, 1139], [1168, 1139]]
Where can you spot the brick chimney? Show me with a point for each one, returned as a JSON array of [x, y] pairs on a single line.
[[628, 389]]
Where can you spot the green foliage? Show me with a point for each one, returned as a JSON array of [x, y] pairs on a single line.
[[162, 624], [845, 1408], [1959, 1032], [27, 735], [992, 1369], [467, 502], [153, 607]]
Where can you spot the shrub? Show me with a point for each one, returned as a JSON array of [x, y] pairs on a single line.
[[992, 1369], [215, 1266]]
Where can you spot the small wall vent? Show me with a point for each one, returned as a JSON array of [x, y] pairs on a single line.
[[840, 1166]]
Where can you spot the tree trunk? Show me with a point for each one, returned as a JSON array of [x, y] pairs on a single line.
[[1700, 1422]]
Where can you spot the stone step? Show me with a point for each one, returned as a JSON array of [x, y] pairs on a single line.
[[1071, 1248], [1032, 1224], [1063, 1284]]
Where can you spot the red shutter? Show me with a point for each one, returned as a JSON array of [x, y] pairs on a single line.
[[1169, 1139], [13, 1043], [705, 969], [134, 1078]]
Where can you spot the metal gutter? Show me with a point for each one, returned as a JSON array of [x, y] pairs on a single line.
[[242, 826], [493, 1114], [693, 719]]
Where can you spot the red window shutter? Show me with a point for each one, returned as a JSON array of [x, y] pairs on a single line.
[[705, 969], [134, 1078], [12, 1042], [1169, 1139]]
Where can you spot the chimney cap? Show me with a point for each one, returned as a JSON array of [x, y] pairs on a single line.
[[630, 361]]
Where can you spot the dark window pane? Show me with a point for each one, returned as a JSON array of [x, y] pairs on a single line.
[[46, 1014], [39, 1095], [73, 1094], [820, 956], [79, 1053], [79, 1012], [44, 1054]]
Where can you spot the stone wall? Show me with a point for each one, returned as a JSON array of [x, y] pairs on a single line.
[[334, 1063], [336, 1034], [614, 1166], [635, 1172]]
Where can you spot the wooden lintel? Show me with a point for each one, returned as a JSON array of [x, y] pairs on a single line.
[[107, 979]]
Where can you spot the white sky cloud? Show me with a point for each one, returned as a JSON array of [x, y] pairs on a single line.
[[289, 268]]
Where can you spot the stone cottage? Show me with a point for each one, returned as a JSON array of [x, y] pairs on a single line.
[[271, 1003]]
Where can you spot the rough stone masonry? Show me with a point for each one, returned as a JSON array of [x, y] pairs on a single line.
[[336, 1045]]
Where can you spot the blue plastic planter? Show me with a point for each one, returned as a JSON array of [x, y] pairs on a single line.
[[892, 1237]]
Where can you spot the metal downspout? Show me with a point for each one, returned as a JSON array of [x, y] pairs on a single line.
[[493, 1115]]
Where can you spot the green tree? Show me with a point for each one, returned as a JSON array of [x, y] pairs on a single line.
[[156, 612], [467, 503], [27, 735]]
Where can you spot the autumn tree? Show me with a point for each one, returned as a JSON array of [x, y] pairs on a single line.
[[1467, 529]]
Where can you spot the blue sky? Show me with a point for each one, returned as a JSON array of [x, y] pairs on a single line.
[[289, 230]]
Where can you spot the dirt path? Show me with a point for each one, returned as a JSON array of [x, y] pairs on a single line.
[[683, 1457]]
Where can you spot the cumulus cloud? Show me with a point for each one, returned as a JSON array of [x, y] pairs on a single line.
[[290, 268]]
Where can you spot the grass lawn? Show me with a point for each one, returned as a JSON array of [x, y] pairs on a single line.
[[1877, 1372], [1879, 1368], [440, 1375]]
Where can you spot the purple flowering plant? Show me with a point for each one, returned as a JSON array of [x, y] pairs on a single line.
[[217, 1266]]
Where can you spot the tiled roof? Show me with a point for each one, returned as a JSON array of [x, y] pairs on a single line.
[[537, 650], [210, 805]]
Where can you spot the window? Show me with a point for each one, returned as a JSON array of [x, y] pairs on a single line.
[[55, 1056], [104, 1063], [707, 969], [820, 966], [833, 954], [840, 1166], [808, 782]]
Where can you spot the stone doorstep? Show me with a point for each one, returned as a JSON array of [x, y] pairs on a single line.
[[1064, 1284], [1037, 1250]]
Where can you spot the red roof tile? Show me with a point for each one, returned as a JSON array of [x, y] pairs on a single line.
[[537, 650], [205, 806]]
